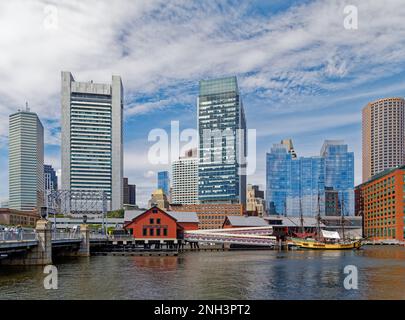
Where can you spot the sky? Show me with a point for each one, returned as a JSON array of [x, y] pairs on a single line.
[[301, 73]]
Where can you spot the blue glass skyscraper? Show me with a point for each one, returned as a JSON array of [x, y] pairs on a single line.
[[164, 182], [222, 142], [339, 172], [295, 185]]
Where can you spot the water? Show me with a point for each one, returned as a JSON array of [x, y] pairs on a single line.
[[217, 275]]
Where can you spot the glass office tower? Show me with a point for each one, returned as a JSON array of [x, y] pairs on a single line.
[[299, 184], [339, 173], [164, 182], [222, 142]]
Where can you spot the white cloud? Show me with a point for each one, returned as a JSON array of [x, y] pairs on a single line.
[[165, 47]]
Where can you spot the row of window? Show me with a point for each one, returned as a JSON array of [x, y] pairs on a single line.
[[154, 231]]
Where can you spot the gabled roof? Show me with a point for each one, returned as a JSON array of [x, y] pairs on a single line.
[[130, 215], [243, 221], [184, 216]]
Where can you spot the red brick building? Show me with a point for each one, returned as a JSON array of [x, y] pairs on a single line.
[[380, 201], [157, 224]]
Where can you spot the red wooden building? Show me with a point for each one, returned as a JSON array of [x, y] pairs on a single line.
[[157, 224]]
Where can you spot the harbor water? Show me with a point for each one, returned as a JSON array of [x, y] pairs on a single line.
[[247, 274]]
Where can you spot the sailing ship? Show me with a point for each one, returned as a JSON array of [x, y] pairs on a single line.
[[324, 239]]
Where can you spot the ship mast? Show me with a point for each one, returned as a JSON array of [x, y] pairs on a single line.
[[342, 217], [318, 218], [302, 219]]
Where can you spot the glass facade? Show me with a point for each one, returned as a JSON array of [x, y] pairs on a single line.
[[339, 173], [298, 184], [221, 142], [51, 180], [164, 182]]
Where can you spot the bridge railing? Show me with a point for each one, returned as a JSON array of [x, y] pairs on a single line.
[[15, 236], [66, 236], [98, 236]]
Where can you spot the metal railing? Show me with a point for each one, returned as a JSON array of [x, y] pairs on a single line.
[[66, 236], [98, 236], [17, 236]]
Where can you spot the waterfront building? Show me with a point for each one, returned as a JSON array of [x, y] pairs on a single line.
[[164, 182], [255, 203], [332, 206], [244, 222], [129, 192], [50, 178], [295, 185], [159, 199], [380, 201], [185, 180], [339, 172], [383, 136], [159, 225], [222, 142], [211, 215], [92, 137], [26, 161]]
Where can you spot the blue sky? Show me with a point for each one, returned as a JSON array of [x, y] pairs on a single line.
[[301, 73]]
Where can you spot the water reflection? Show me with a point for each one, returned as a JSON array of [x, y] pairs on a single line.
[[218, 275]]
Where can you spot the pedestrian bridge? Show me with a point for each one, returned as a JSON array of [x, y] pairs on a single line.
[[257, 236]]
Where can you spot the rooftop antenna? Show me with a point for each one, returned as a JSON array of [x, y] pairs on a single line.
[[26, 106]]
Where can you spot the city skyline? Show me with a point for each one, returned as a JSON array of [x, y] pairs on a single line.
[[319, 97]]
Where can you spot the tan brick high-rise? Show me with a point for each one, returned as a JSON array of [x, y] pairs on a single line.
[[383, 136]]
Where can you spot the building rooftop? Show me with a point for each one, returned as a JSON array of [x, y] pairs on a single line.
[[243, 221], [129, 215], [381, 174]]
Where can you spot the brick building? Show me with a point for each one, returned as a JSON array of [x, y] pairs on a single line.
[[380, 201]]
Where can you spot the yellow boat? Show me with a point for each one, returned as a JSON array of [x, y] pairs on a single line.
[[318, 245]]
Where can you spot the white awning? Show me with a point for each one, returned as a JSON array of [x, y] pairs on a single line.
[[330, 234]]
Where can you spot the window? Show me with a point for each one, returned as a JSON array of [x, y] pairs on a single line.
[[165, 232], [154, 211], [158, 221], [158, 232], [144, 231], [151, 221], [151, 233]]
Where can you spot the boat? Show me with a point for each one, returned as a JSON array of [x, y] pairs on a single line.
[[324, 239]]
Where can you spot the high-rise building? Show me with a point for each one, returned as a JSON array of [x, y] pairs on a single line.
[[26, 161], [295, 185], [159, 199], [164, 182], [383, 138], [185, 180], [255, 203], [222, 142], [339, 173], [92, 133], [50, 178], [129, 192], [290, 147]]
